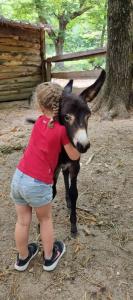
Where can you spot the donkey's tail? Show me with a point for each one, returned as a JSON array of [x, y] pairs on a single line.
[[30, 121]]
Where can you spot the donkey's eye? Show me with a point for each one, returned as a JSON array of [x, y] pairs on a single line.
[[67, 118]]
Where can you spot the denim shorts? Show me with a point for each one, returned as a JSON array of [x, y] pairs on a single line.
[[26, 190]]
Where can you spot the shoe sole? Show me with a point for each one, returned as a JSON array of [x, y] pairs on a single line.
[[23, 268], [53, 266]]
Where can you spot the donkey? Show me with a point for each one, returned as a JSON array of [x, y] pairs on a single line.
[[74, 114]]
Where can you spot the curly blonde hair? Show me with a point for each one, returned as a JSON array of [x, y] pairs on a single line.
[[48, 96]]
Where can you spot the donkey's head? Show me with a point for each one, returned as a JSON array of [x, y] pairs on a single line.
[[75, 113]]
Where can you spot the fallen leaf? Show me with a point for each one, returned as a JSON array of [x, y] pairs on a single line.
[[14, 129]]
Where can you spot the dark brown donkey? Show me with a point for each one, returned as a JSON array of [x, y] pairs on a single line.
[[74, 115]]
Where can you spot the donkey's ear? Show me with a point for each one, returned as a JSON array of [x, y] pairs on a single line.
[[68, 87], [91, 92]]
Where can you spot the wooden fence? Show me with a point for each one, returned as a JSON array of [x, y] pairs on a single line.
[[71, 57], [23, 64]]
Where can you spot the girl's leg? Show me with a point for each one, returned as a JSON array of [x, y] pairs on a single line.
[[44, 215], [24, 217]]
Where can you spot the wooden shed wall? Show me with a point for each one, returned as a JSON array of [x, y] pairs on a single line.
[[20, 62]]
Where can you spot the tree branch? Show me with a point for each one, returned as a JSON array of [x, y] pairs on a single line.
[[50, 30], [78, 13], [43, 20]]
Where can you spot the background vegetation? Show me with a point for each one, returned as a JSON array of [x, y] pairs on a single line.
[[73, 26]]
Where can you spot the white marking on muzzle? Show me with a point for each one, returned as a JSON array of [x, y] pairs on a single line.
[[81, 137]]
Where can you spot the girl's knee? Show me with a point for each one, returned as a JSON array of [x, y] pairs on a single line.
[[24, 215], [23, 223], [44, 218], [24, 220], [44, 213]]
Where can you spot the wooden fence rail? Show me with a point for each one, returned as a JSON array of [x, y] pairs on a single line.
[[71, 57]]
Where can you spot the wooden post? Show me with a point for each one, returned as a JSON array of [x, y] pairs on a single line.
[[49, 71], [43, 54]]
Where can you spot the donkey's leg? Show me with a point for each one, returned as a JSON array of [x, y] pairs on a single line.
[[73, 194], [56, 174], [66, 181]]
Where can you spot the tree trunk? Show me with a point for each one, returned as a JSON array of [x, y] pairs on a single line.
[[59, 45], [59, 41], [114, 98], [59, 51]]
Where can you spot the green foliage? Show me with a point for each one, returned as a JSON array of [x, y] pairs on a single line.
[[22, 10], [83, 31]]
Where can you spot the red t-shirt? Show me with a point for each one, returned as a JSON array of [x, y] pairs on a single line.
[[41, 155]]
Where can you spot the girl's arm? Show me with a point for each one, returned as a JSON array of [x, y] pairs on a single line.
[[72, 152]]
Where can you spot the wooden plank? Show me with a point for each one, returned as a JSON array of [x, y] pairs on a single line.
[[76, 75], [18, 56], [13, 97], [17, 42], [35, 78], [18, 74], [17, 91], [20, 63], [23, 69], [24, 37], [77, 55], [27, 34], [9, 49], [18, 86], [22, 25]]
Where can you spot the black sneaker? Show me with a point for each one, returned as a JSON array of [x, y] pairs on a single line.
[[22, 264], [58, 250]]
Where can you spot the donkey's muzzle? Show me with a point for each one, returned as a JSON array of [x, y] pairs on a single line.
[[81, 148]]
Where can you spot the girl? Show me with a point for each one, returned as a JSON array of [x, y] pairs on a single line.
[[32, 182]]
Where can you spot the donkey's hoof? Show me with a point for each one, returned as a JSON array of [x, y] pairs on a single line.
[[68, 204], [74, 235], [74, 231]]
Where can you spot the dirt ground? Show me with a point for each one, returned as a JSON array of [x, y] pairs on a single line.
[[98, 264]]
